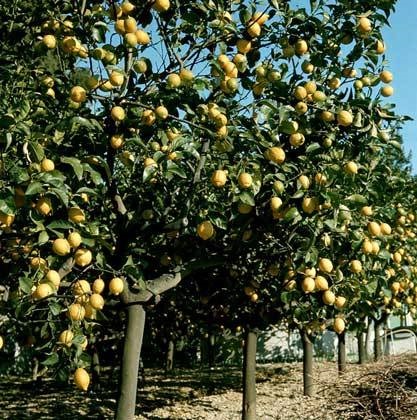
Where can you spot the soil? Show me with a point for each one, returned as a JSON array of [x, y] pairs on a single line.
[[383, 390]]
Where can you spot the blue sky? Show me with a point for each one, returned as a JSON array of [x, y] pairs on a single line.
[[401, 40]]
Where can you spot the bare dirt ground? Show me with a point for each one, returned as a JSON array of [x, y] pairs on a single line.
[[385, 390]]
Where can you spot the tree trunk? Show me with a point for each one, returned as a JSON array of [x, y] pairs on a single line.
[[130, 364], [307, 364], [363, 356], [96, 368], [204, 351], [35, 369], [377, 341], [368, 344], [170, 356], [211, 343], [249, 376], [341, 353]]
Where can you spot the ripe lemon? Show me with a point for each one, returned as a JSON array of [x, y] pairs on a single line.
[[66, 337], [351, 168], [245, 180], [367, 247], [355, 266], [161, 112], [74, 239], [387, 91], [386, 76], [344, 118], [118, 113], [61, 247], [44, 206], [260, 17], [304, 182], [116, 78], [186, 76], [142, 37], [364, 25], [301, 47], [173, 80], [148, 117], [300, 93], [49, 41], [6, 219], [81, 379], [96, 301], [328, 297], [90, 312], [83, 257], [367, 211], [161, 5], [319, 96], [275, 203], [340, 302], [307, 67], [308, 284], [81, 287], [53, 277], [150, 162], [98, 285], [76, 215], [339, 325], [219, 178], [42, 291], [334, 83], [38, 263], [374, 229], [78, 94], [127, 7], [244, 46], [140, 66], [301, 108], [309, 204], [47, 165], [275, 154], [320, 179], [116, 286], [116, 141], [397, 257], [76, 312], [321, 283], [205, 230], [385, 229], [254, 30], [325, 265], [130, 25]]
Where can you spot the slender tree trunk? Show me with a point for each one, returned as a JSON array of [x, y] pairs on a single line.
[[170, 356], [130, 364], [96, 368], [368, 336], [341, 353], [377, 340], [211, 342], [35, 369], [249, 376], [363, 356], [204, 351], [307, 364]]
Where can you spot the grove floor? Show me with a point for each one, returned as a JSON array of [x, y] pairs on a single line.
[[383, 390]]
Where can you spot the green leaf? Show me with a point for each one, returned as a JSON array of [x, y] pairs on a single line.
[[53, 359], [34, 188], [55, 308], [25, 284], [357, 198], [43, 237], [246, 197], [76, 165], [173, 168], [36, 151]]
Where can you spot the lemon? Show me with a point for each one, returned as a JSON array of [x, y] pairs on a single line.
[[44, 206], [118, 113], [328, 297], [49, 41], [161, 5], [254, 30], [374, 229], [76, 215], [275, 154], [78, 94], [244, 46], [309, 204], [344, 118], [53, 277], [116, 286], [142, 37], [219, 178], [42, 291], [81, 379], [386, 76], [83, 257], [367, 211], [245, 180], [76, 312], [98, 285], [301, 47], [325, 265], [355, 266], [61, 247], [339, 325], [364, 25], [161, 112], [96, 301], [387, 91], [116, 78], [321, 283], [304, 182], [308, 284], [81, 287], [340, 302], [351, 168], [66, 337], [205, 230], [275, 203]]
